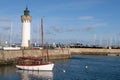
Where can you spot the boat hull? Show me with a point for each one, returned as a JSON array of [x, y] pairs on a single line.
[[43, 67]]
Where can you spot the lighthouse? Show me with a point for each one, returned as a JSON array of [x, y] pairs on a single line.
[[26, 21]]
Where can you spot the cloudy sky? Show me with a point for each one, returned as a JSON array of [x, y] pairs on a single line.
[[64, 20]]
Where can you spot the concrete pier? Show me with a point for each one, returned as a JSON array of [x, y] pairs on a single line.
[[95, 51], [9, 56]]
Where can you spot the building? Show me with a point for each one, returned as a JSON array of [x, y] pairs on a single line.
[[26, 23]]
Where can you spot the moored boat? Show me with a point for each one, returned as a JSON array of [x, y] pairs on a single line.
[[27, 63]]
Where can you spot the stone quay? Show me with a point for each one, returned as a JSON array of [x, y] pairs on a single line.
[[10, 56]]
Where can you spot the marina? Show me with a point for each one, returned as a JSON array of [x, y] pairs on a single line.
[[59, 40], [98, 68]]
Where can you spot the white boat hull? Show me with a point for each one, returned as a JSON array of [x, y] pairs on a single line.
[[44, 67], [11, 48]]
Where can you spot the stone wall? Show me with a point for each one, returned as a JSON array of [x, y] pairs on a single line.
[[94, 51], [13, 54], [9, 55], [56, 53]]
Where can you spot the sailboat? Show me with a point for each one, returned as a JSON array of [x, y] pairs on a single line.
[[33, 63], [10, 42], [36, 63]]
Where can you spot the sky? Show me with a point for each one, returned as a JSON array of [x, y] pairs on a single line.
[[65, 21]]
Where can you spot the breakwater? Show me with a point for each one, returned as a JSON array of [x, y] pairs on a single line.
[[95, 51], [10, 56]]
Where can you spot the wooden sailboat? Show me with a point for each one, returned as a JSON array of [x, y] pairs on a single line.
[[33, 63], [29, 63]]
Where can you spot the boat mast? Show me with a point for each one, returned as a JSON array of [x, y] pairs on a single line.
[[42, 33], [10, 42], [47, 52], [42, 36]]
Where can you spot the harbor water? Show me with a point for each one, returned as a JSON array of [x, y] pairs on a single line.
[[76, 68]]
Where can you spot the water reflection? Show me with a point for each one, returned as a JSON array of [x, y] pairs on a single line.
[[77, 68], [35, 75], [6, 70]]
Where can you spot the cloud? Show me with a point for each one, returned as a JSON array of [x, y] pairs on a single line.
[[85, 17], [36, 30], [5, 27], [90, 27], [58, 29], [5, 20], [50, 33], [72, 29]]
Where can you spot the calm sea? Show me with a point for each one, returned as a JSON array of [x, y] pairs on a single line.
[[76, 68]]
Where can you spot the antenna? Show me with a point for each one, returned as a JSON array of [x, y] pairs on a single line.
[[26, 3]]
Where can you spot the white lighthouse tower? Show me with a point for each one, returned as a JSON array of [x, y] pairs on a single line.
[[26, 21]]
